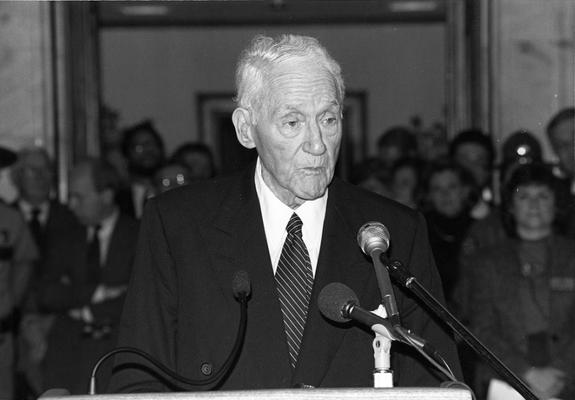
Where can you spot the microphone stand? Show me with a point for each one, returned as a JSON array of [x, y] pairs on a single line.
[[407, 280]]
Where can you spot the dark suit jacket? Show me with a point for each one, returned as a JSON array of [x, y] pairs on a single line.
[[497, 313], [180, 306], [60, 221], [65, 285]]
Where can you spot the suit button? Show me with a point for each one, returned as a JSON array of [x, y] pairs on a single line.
[[206, 369]]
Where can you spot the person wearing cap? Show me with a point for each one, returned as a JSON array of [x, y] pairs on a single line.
[[17, 255]]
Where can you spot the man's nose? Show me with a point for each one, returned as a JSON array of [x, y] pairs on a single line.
[[314, 143]]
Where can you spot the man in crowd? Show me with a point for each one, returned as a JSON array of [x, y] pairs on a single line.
[[17, 256], [46, 217], [143, 148], [286, 207], [85, 277]]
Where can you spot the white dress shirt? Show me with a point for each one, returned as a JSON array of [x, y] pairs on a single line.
[[105, 234], [276, 216], [26, 210]]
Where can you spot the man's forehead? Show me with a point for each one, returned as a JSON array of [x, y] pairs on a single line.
[[295, 88]]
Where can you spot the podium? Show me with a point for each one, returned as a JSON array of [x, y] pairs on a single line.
[[289, 394]]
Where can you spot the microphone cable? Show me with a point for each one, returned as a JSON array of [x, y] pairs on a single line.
[[242, 290]]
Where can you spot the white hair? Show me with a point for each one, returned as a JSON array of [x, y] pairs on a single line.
[[264, 52]]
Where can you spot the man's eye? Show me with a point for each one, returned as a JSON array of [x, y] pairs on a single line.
[[292, 123], [328, 121]]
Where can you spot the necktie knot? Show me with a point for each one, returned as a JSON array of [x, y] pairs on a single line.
[[294, 225]]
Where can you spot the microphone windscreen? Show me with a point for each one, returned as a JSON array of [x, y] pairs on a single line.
[[332, 300], [241, 285], [373, 236]]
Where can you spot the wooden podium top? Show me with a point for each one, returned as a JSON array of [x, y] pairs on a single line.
[[299, 394]]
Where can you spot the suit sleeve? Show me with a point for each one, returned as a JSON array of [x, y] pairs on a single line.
[[413, 369], [149, 316]]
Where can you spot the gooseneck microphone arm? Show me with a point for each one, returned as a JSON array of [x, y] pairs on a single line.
[[241, 289], [373, 239], [401, 275]]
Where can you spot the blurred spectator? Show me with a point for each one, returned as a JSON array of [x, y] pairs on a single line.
[[369, 174], [395, 143], [432, 143], [524, 288], [561, 134], [143, 148], [521, 147], [17, 255], [474, 151], [447, 204], [111, 141], [170, 176], [198, 158], [404, 182], [85, 278], [46, 217]]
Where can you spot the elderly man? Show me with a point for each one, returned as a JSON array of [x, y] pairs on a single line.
[[180, 306], [47, 218]]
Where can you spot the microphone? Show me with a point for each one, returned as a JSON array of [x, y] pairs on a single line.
[[241, 286], [339, 303], [373, 239], [241, 289]]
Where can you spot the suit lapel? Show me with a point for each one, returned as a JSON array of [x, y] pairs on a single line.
[[238, 231], [342, 261]]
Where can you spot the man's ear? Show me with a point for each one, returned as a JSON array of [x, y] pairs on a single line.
[[242, 120]]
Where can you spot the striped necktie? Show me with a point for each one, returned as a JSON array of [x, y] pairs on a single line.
[[294, 280]]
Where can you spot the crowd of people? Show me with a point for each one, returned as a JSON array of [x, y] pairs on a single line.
[[501, 236], [65, 267]]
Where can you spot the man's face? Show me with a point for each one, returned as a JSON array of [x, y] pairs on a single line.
[[34, 177], [533, 207], [447, 193], [474, 158], [145, 156], [562, 142], [85, 201], [297, 131]]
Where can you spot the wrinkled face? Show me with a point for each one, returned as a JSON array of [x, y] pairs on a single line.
[[447, 193], [562, 141], [34, 177], [474, 158], [297, 131], [84, 200], [533, 207]]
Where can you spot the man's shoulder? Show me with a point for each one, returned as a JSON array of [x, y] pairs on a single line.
[[369, 203], [203, 196]]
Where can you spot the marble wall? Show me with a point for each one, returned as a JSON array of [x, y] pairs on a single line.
[[25, 79], [533, 52]]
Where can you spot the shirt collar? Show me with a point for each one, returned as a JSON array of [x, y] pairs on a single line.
[[107, 224], [26, 208], [276, 215]]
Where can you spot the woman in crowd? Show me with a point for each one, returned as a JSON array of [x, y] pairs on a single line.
[[524, 288]]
